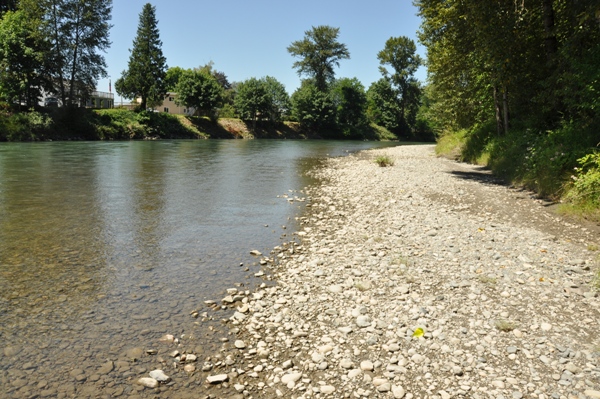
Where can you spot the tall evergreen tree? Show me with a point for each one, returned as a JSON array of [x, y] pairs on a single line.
[[78, 31], [147, 67]]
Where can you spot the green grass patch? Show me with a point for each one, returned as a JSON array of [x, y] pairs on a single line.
[[384, 161]]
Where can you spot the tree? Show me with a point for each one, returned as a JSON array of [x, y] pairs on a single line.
[[400, 54], [145, 76], [78, 31], [21, 59], [383, 108], [350, 102], [200, 90], [172, 77], [313, 108], [319, 52], [252, 100], [279, 99]]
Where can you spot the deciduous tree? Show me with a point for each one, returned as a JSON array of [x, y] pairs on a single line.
[[22, 53], [79, 32], [252, 100], [400, 54], [319, 53], [200, 90], [312, 107]]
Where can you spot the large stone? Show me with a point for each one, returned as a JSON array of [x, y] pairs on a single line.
[[291, 377], [148, 382], [363, 321], [217, 379], [160, 376], [398, 391]]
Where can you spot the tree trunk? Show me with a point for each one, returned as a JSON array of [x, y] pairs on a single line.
[[550, 41], [498, 112], [505, 109], [58, 54], [75, 53]]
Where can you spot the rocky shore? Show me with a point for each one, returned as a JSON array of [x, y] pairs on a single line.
[[427, 279]]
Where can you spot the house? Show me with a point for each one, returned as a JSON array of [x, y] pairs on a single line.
[[100, 99], [168, 105]]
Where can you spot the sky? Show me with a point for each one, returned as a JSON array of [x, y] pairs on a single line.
[[249, 38]]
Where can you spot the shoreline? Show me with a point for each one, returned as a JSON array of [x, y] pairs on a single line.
[[402, 286]]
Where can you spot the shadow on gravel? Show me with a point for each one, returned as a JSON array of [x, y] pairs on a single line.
[[480, 175]]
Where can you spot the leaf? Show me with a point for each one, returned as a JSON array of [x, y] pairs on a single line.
[[418, 333]]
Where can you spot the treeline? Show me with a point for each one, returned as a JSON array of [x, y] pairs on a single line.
[[336, 108], [54, 49], [514, 84]]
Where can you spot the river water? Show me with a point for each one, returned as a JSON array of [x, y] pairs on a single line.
[[105, 247]]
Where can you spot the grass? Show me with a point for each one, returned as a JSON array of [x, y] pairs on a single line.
[[384, 161], [505, 325]]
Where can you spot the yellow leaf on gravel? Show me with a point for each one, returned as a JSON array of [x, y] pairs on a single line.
[[418, 333]]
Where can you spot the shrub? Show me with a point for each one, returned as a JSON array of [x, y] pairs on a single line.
[[384, 160], [585, 189]]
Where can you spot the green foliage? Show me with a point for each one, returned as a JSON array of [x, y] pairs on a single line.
[[146, 69], [350, 102], [522, 93], [24, 126], [585, 189], [383, 109], [21, 55], [384, 161], [79, 33], [172, 77], [319, 52], [279, 99], [200, 90], [252, 101], [313, 108]]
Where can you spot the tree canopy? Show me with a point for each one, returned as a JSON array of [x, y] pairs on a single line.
[[319, 52], [147, 67], [200, 90], [79, 31]]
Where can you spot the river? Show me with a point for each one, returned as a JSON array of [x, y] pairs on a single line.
[[105, 247]]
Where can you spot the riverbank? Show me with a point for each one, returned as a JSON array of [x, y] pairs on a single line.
[[427, 279], [122, 124]]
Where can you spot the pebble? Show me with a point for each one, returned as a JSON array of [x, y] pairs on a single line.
[[148, 382]]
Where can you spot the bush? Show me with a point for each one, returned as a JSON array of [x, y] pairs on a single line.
[[24, 126], [585, 189], [384, 161]]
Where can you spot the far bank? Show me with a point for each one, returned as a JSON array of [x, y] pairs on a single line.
[[121, 124]]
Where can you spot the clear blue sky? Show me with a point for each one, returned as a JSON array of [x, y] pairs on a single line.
[[246, 38]]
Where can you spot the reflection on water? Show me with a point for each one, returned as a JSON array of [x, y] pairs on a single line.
[[108, 246]]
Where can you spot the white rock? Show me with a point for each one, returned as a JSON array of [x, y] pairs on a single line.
[[327, 389], [148, 382], [291, 377], [366, 365], [217, 379], [546, 326], [239, 344], [398, 391], [160, 376]]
